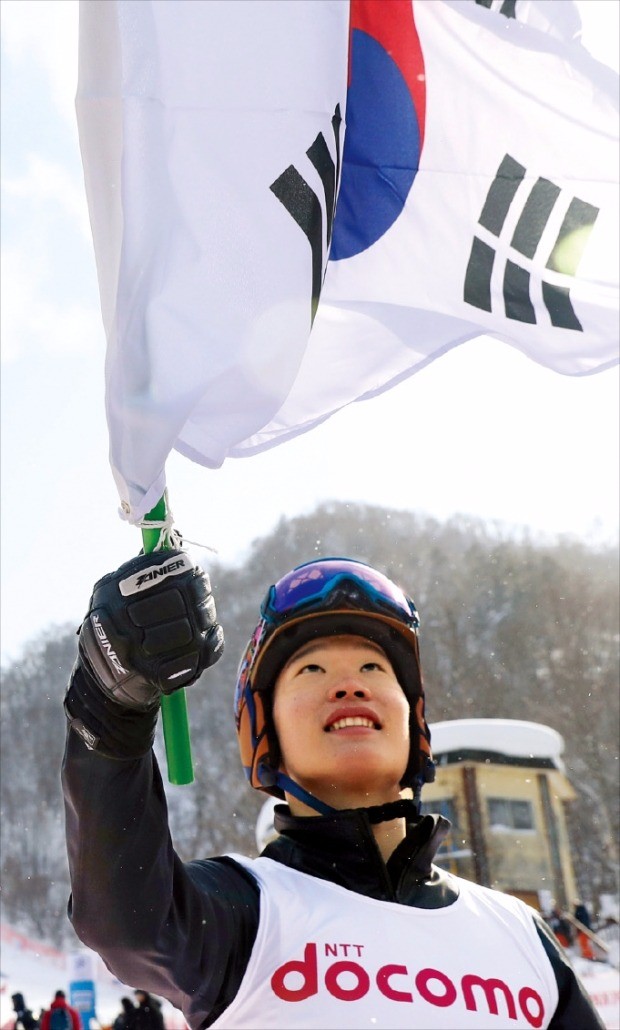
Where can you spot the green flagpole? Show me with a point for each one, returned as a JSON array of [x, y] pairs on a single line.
[[173, 706]]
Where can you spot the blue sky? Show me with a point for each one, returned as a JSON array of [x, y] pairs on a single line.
[[483, 431]]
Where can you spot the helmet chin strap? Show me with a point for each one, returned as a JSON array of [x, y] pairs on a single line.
[[404, 807], [289, 786]]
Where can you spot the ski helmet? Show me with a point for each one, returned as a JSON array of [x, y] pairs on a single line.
[[326, 597]]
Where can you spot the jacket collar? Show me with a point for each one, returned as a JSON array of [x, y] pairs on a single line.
[[341, 848]]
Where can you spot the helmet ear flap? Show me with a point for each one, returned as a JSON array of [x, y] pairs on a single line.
[[246, 722], [255, 746], [424, 742], [421, 767], [260, 760]]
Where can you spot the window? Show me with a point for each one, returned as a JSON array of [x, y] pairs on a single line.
[[510, 814], [441, 806], [454, 847]]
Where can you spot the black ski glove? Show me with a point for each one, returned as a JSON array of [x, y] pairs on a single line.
[[151, 628]]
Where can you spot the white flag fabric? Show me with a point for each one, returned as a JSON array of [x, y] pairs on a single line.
[[296, 204]]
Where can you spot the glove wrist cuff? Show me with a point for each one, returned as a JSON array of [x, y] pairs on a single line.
[[106, 727]]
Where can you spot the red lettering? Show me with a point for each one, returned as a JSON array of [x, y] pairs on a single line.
[[489, 988], [421, 982], [308, 969], [527, 994], [349, 993], [383, 983], [298, 980]]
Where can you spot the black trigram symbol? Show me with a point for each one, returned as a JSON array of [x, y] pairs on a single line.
[[505, 7], [302, 203], [564, 257]]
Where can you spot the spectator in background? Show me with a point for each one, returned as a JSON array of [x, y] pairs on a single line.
[[25, 1019], [126, 1018], [584, 930], [148, 1013], [60, 1015], [560, 926], [581, 913]]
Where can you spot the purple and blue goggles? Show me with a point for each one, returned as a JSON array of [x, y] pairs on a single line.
[[311, 587]]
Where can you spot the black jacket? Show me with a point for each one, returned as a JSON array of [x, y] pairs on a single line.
[[24, 1017], [147, 1015], [186, 931]]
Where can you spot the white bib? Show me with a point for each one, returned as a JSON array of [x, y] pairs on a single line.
[[327, 957]]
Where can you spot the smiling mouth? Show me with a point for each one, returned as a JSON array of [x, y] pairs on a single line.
[[353, 720]]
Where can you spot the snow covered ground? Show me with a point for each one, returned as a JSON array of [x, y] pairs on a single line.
[[602, 982], [37, 971]]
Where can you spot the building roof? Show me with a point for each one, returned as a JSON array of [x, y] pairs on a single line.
[[509, 737]]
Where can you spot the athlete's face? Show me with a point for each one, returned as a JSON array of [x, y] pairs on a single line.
[[342, 721]]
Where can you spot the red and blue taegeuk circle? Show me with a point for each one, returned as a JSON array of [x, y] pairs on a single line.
[[385, 115]]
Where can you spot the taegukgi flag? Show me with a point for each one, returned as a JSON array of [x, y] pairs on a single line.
[[297, 203]]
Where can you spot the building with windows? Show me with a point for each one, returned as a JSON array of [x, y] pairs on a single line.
[[502, 785]]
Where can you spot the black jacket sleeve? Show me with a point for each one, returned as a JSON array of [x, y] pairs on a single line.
[[183, 931], [575, 1010]]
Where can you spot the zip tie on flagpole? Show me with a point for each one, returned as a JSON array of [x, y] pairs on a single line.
[[169, 537]]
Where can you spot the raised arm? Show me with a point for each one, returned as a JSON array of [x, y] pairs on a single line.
[[182, 931]]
